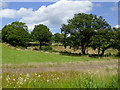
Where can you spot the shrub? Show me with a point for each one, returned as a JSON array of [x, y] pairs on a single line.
[[47, 48]]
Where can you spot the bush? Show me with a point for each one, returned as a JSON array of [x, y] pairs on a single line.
[[35, 49], [16, 34], [47, 48]]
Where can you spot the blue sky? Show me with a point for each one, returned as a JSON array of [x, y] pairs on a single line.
[[54, 14]]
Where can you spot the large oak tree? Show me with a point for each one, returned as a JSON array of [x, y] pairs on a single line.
[[81, 28]]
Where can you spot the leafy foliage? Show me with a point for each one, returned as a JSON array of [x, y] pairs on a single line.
[[15, 33], [0, 36], [102, 40], [42, 34], [81, 28], [116, 39], [57, 37]]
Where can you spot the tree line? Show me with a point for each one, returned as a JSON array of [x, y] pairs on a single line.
[[80, 32]]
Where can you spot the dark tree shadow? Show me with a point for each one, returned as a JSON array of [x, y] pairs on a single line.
[[70, 53], [106, 55]]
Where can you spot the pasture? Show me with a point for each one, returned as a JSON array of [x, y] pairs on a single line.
[[24, 68]]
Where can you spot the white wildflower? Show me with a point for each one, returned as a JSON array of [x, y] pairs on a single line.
[[6, 79], [25, 80], [58, 78], [47, 80], [38, 75], [13, 79], [27, 75]]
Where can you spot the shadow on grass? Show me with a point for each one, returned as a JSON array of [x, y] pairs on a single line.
[[70, 53], [90, 55], [106, 55]]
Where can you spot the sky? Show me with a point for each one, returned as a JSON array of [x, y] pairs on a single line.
[[54, 14]]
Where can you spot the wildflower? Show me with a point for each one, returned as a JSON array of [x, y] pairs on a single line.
[[25, 80], [6, 85], [58, 78], [47, 80], [20, 79], [21, 83], [27, 75], [51, 75], [35, 73], [13, 79], [38, 75], [6, 79]]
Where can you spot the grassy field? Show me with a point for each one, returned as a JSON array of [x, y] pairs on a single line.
[[12, 56], [35, 69]]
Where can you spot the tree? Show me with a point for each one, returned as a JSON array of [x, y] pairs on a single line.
[[57, 37], [42, 34], [80, 29], [116, 39], [103, 34], [0, 36], [102, 40], [15, 33]]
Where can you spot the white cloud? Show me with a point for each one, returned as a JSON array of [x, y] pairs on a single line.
[[117, 26], [52, 15], [12, 13], [2, 4]]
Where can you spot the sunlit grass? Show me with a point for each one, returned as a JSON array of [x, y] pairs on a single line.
[[12, 56]]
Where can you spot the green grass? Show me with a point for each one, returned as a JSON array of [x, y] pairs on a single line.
[[59, 80], [101, 78], [12, 56]]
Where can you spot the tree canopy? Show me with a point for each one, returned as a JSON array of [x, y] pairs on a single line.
[[15, 33], [57, 37], [42, 34], [116, 38], [81, 28]]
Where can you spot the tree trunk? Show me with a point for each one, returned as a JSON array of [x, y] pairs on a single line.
[[119, 52], [98, 50], [40, 46], [102, 52], [83, 49]]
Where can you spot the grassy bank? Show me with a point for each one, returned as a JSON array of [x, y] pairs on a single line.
[[12, 56]]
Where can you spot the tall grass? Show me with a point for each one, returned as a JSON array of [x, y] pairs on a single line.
[[66, 79]]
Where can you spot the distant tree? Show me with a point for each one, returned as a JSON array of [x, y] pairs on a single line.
[[42, 34], [15, 33], [57, 37], [116, 39], [0, 36]]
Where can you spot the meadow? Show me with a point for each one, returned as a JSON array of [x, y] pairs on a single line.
[[23, 68], [68, 79]]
